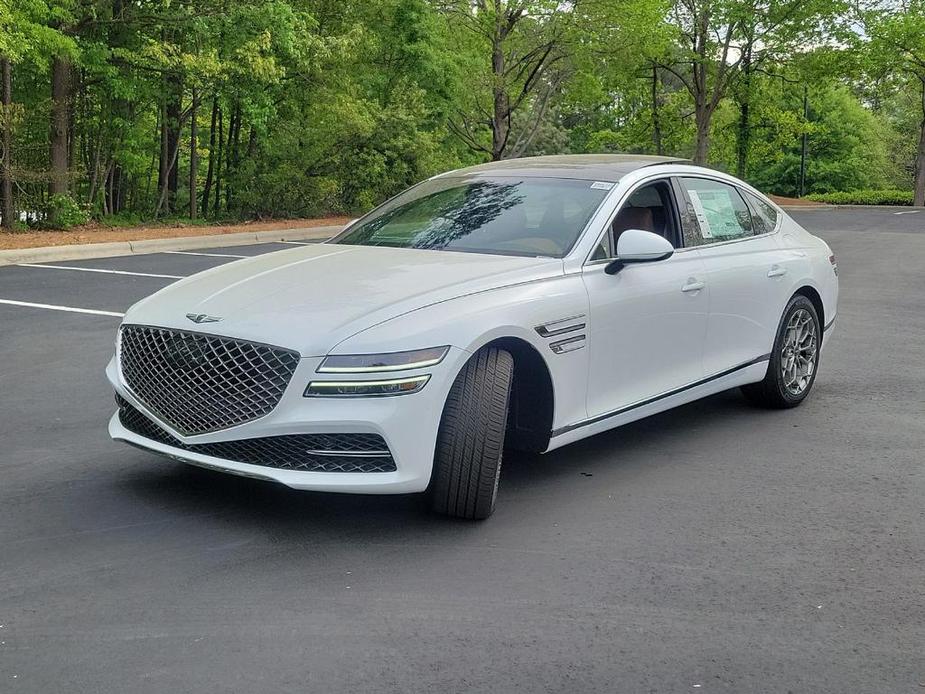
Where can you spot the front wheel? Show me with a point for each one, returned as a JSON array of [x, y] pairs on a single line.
[[470, 441], [794, 358]]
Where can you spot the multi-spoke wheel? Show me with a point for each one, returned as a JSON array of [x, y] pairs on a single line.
[[798, 354], [794, 358]]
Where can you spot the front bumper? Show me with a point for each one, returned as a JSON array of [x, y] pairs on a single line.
[[407, 423]]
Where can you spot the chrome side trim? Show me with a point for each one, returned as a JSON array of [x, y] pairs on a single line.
[[560, 326], [569, 345]]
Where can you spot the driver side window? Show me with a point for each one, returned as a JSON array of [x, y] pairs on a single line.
[[649, 208]]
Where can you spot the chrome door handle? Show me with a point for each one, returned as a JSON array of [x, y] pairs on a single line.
[[693, 286], [777, 271]]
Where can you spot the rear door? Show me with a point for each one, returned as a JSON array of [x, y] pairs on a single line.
[[744, 270]]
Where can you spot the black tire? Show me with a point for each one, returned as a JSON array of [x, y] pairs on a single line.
[[470, 441], [772, 391]]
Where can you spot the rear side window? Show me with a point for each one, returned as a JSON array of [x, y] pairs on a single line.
[[764, 217], [720, 212]]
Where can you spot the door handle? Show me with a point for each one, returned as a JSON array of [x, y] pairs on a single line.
[[777, 271], [693, 286]]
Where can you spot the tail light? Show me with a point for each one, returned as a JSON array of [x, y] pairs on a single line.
[[834, 264]]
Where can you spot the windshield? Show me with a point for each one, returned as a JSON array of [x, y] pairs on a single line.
[[499, 215]]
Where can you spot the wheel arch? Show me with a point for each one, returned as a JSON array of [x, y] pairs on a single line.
[[815, 298], [532, 403]]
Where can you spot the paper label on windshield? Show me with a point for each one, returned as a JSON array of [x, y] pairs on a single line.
[[601, 185]]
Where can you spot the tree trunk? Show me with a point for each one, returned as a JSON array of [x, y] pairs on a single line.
[[918, 197], [7, 213], [218, 166], [60, 87], [164, 159], [233, 154], [744, 134], [703, 115], [193, 154], [173, 141], [208, 189], [500, 125], [656, 122]]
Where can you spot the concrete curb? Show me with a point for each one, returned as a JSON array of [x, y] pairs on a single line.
[[46, 254]]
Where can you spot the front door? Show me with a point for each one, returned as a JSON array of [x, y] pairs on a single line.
[[648, 322]]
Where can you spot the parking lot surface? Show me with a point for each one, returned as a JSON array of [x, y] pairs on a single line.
[[715, 547]]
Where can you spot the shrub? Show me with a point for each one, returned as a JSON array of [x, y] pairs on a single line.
[[63, 212], [864, 197]]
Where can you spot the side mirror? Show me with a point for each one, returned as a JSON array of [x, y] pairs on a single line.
[[638, 246]]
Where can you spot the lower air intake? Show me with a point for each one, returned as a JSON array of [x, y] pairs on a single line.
[[302, 452]]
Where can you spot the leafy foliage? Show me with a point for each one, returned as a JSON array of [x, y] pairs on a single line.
[[63, 212], [865, 197], [272, 108]]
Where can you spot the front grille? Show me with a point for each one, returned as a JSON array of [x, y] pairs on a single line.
[[200, 383], [303, 452]]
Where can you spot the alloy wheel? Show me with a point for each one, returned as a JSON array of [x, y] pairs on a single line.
[[799, 352]]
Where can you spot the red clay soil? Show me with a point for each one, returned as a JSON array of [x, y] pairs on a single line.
[[102, 234], [793, 202]]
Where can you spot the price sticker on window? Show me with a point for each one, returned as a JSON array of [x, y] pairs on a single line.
[[705, 230]]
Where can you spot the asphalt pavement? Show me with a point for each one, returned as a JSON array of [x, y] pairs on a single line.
[[712, 548]]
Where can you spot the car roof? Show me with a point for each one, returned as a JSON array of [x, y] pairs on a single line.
[[591, 167]]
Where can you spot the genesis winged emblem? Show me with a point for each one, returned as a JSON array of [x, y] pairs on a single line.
[[202, 318]]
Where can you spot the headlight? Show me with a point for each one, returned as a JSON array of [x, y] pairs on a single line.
[[365, 389], [371, 363]]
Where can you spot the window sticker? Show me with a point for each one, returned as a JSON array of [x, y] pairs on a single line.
[[701, 214], [715, 207], [601, 185]]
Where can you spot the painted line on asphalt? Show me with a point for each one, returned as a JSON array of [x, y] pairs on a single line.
[[107, 272], [298, 243], [53, 307], [209, 255], [908, 212]]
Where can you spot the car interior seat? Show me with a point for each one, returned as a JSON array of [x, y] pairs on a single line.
[[632, 218]]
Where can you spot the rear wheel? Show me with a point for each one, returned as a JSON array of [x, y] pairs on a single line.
[[794, 358], [470, 441]]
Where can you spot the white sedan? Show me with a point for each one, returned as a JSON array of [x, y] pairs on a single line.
[[523, 304]]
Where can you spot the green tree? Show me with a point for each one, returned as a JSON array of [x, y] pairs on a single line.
[[897, 46]]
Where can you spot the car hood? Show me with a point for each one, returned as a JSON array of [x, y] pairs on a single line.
[[312, 297]]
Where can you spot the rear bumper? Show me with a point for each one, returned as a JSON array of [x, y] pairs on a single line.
[[407, 423]]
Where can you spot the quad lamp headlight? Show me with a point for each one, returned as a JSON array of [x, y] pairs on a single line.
[[375, 363], [372, 363]]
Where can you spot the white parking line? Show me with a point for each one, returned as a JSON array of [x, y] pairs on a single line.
[[908, 212], [52, 307], [93, 269], [210, 255]]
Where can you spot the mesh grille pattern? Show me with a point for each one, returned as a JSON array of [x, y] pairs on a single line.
[[345, 452], [199, 383]]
